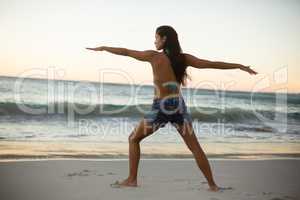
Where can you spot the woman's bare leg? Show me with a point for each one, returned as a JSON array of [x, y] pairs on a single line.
[[140, 132], [187, 132]]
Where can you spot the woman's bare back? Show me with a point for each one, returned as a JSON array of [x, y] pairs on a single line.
[[164, 79]]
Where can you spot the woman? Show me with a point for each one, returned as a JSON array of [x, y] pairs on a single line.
[[169, 73]]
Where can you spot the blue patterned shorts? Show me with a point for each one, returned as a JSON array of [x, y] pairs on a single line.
[[171, 109]]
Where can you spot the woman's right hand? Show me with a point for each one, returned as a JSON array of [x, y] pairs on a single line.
[[96, 49]]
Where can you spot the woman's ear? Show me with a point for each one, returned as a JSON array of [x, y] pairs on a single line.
[[164, 38]]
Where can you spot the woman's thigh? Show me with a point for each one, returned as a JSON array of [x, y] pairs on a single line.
[[142, 130]]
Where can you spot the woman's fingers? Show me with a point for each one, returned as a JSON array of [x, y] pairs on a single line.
[[251, 71]]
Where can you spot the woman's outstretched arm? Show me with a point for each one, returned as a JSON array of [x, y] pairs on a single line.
[[146, 55], [201, 63]]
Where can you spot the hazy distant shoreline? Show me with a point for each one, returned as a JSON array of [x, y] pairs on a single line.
[[10, 150]]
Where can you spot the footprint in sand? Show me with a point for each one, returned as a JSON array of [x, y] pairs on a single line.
[[87, 172], [285, 197], [199, 187], [267, 193], [289, 197], [77, 174], [84, 172], [249, 194]]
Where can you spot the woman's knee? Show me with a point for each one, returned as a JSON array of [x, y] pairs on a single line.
[[136, 137]]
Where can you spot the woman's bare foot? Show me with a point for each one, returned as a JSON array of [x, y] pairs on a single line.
[[213, 188], [125, 183]]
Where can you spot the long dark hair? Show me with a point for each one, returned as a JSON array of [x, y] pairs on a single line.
[[174, 52]]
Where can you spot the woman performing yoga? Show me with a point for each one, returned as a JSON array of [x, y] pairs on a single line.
[[169, 73]]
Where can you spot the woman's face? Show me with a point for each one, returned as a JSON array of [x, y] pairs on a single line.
[[159, 41]]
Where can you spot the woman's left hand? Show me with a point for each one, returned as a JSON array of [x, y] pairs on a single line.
[[248, 69]]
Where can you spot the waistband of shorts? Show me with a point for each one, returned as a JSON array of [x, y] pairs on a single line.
[[167, 99]]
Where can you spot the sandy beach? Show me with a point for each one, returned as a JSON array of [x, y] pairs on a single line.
[[276, 179]]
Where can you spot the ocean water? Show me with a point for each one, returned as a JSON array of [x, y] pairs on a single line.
[[47, 110]]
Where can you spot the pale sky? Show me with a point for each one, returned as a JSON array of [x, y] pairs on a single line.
[[263, 34]]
